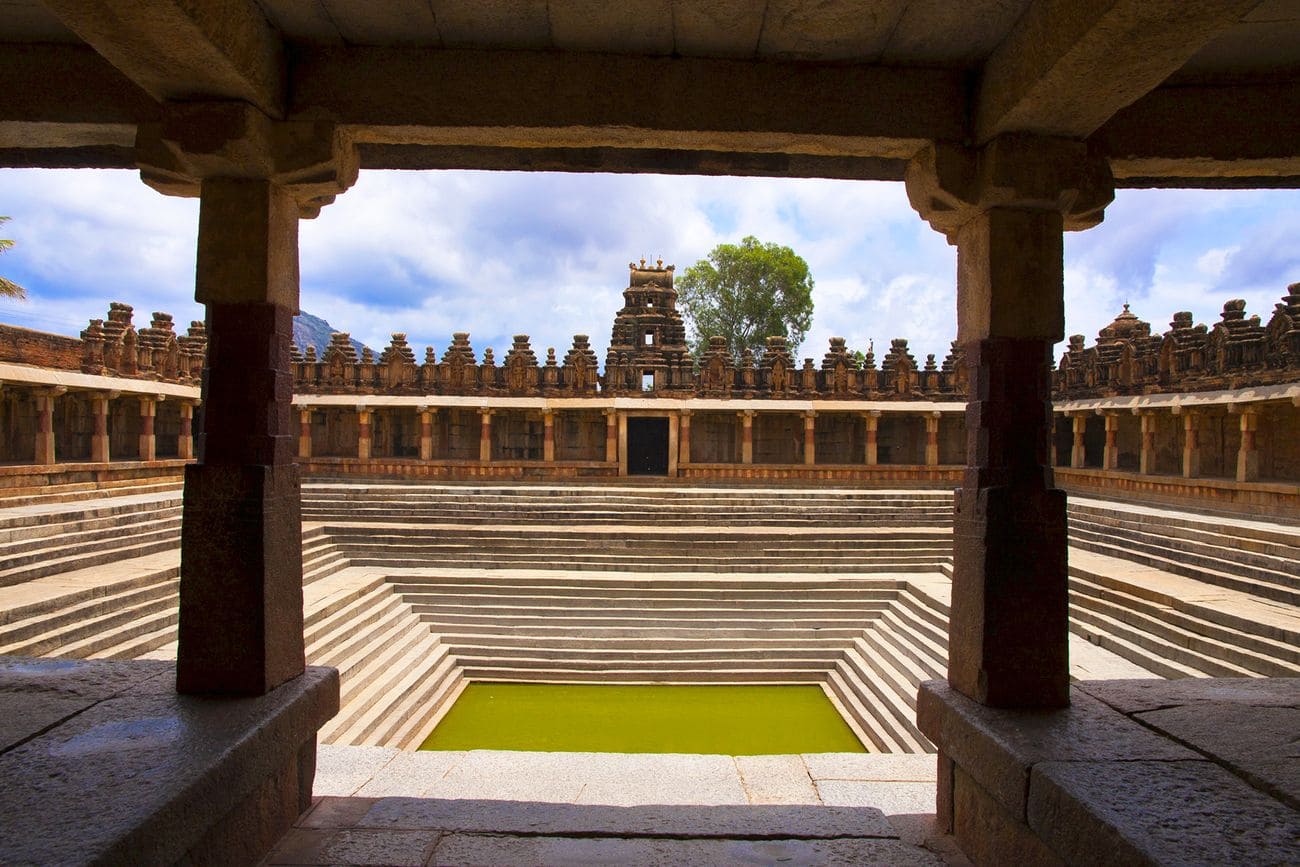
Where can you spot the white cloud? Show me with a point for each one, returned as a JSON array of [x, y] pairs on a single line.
[[495, 254]]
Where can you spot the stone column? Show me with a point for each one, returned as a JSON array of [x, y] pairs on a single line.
[[810, 437], [241, 555], [872, 420], [932, 439], [365, 433], [1147, 457], [1110, 458], [485, 435], [185, 438], [304, 432], [426, 433], [1005, 207], [1248, 452], [44, 450], [1078, 453], [622, 445], [746, 436], [674, 445], [548, 436], [1191, 444], [611, 435], [148, 442], [99, 452], [241, 624], [684, 438]]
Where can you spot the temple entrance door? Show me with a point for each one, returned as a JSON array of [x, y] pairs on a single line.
[[647, 446]]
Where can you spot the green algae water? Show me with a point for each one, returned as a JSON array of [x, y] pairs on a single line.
[[616, 718]]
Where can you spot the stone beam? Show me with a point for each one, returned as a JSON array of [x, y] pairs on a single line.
[[66, 97], [1066, 68], [524, 99], [630, 160], [186, 49], [1236, 135]]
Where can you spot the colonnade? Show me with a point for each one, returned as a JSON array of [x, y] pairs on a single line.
[[596, 432], [51, 424], [1238, 440]]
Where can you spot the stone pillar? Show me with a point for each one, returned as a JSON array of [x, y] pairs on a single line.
[[44, 450], [1110, 458], [810, 437], [622, 445], [746, 436], [674, 445], [932, 439], [241, 540], [365, 433], [148, 442], [1078, 454], [99, 433], [611, 436], [485, 435], [1248, 452], [872, 420], [1191, 444], [684, 438], [1005, 207], [185, 438], [1147, 456], [548, 436], [426, 433], [304, 432]]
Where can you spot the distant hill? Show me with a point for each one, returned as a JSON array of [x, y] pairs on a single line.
[[311, 330]]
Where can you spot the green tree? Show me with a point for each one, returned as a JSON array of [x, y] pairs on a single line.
[[8, 288], [747, 293]]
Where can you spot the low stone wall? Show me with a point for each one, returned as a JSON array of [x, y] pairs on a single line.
[[1275, 499], [37, 348], [20, 479]]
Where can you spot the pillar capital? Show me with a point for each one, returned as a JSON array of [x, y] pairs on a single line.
[[196, 141], [948, 184]]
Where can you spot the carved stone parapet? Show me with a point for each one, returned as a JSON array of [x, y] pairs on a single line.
[[315, 160], [948, 184]]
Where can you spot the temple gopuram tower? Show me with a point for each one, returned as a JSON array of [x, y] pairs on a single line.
[[647, 350]]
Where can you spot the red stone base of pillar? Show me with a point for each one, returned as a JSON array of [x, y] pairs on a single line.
[[241, 552]]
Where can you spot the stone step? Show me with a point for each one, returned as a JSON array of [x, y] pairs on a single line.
[[81, 492], [630, 654], [882, 565], [1254, 567], [1204, 575], [1257, 655], [877, 712], [1133, 652], [1266, 552], [457, 601], [652, 630], [1094, 622], [49, 628], [140, 645], [59, 565], [704, 640], [1235, 529], [386, 695], [618, 675], [583, 619], [17, 538], [71, 545], [862, 717], [157, 623]]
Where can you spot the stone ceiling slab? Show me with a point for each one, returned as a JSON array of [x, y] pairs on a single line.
[[718, 28], [503, 23], [392, 22], [627, 27], [829, 29]]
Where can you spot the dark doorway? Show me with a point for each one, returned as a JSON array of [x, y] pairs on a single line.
[[647, 446]]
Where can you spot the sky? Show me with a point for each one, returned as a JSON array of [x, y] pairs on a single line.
[[498, 254]]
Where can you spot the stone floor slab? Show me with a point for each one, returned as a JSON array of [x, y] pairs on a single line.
[[890, 798], [882, 767], [412, 774], [23, 716], [776, 780], [341, 771], [474, 849], [1185, 812], [1133, 696], [521, 817]]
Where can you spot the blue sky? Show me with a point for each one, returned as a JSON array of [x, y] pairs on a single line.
[[546, 254]]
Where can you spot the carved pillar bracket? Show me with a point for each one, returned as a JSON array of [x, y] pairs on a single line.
[[1005, 206], [197, 141]]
